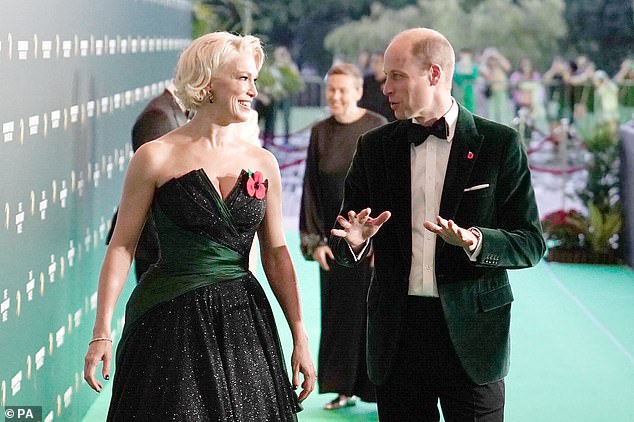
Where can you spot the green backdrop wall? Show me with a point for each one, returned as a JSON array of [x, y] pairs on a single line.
[[74, 75]]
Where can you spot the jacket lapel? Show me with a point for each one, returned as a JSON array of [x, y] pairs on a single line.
[[465, 148], [396, 150]]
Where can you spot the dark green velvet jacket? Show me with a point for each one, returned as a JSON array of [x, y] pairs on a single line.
[[476, 296]]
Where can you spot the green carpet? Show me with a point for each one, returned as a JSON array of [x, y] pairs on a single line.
[[572, 345]]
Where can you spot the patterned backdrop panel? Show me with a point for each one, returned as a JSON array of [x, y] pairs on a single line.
[[74, 75]]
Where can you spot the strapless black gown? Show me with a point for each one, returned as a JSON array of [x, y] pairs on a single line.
[[200, 342]]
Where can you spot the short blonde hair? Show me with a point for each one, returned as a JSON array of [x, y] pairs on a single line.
[[347, 69], [201, 61]]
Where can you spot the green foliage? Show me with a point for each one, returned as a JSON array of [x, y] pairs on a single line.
[[602, 187], [603, 227], [302, 25], [270, 83], [276, 82], [292, 82], [601, 29], [525, 28], [601, 193], [223, 15], [599, 231]]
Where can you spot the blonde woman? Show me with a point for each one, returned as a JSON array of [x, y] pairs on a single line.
[[200, 342]]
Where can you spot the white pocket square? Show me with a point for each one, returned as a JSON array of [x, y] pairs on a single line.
[[477, 187]]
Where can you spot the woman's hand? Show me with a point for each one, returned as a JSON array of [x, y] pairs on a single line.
[[302, 362], [100, 350], [321, 255]]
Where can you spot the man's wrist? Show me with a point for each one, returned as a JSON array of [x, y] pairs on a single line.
[[478, 236]]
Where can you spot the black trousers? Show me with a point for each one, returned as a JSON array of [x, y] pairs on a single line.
[[426, 370]]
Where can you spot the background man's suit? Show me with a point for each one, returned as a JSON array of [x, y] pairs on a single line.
[[160, 116], [475, 296]]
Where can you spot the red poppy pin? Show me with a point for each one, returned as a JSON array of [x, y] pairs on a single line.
[[470, 155], [255, 185]]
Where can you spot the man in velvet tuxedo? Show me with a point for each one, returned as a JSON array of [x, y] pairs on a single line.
[[456, 209], [161, 115]]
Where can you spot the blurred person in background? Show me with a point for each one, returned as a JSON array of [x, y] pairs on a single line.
[[624, 78], [528, 94], [581, 86], [161, 115], [606, 100], [341, 363], [495, 69], [555, 81], [373, 98], [464, 79]]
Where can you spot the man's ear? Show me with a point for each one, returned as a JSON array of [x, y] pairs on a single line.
[[435, 73]]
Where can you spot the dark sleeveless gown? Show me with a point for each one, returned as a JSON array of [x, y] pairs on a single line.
[[200, 342]]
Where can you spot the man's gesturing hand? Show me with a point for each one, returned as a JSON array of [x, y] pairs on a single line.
[[358, 228], [453, 234]]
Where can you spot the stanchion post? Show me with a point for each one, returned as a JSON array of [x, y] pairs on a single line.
[[563, 158]]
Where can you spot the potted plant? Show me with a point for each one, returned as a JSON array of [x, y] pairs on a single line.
[[601, 194], [593, 238], [565, 232]]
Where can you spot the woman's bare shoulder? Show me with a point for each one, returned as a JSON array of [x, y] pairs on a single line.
[[264, 158]]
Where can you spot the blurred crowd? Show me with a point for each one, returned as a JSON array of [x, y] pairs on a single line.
[[490, 85], [486, 83]]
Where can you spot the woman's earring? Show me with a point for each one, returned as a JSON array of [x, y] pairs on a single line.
[[211, 98]]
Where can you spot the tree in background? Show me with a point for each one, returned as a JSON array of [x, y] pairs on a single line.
[[602, 30], [223, 15], [537, 29], [297, 24], [524, 28]]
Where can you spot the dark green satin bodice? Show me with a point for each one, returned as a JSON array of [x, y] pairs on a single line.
[[204, 239]]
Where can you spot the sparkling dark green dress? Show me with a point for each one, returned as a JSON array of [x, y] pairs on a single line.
[[200, 342]]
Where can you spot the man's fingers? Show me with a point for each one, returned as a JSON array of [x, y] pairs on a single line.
[[365, 213], [442, 222], [343, 222], [453, 227], [330, 254], [432, 227], [338, 232], [382, 218]]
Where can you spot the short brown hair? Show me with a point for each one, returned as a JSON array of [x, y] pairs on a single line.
[[347, 69]]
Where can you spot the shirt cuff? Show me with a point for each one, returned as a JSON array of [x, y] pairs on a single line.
[[473, 256], [357, 257]]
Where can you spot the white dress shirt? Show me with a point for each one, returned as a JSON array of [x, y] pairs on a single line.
[[429, 165]]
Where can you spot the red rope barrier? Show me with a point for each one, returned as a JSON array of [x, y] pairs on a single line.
[[292, 163], [554, 171]]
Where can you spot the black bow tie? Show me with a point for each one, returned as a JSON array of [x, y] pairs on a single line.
[[417, 134]]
